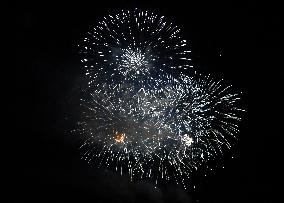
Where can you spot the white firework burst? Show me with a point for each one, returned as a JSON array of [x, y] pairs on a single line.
[[159, 133], [140, 119], [131, 45]]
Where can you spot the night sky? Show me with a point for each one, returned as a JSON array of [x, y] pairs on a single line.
[[228, 40]]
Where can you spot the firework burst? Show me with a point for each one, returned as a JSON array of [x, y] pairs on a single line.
[[134, 46], [140, 119]]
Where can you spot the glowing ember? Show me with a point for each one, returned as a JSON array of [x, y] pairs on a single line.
[[119, 137]]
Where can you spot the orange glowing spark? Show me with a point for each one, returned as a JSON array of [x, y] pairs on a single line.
[[119, 137]]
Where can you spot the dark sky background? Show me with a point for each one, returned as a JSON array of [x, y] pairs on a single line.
[[44, 162]]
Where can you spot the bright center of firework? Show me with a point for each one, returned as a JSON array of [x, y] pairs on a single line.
[[133, 62], [134, 59], [187, 140]]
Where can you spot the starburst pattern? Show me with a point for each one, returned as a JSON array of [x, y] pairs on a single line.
[[138, 117], [132, 45]]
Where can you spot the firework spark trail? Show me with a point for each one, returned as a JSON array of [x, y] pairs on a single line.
[[139, 118]]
